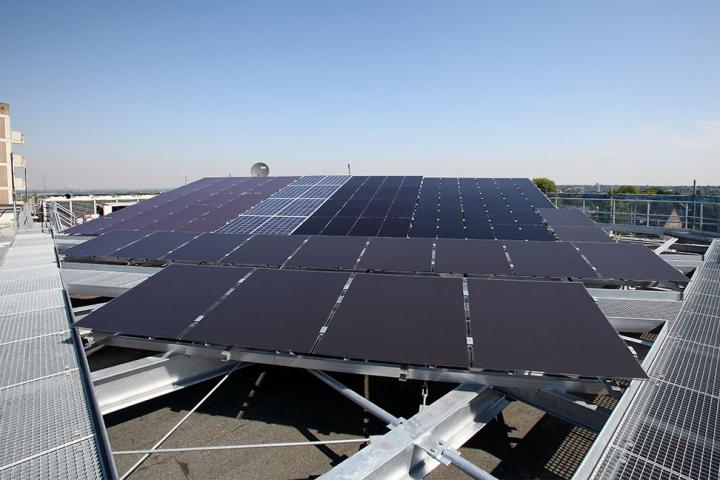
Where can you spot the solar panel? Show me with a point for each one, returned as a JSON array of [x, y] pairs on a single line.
[[276, 310], [629, 262], [395, 227], [551, 327], [279, 225], [339, 226], [207, 248], [366, 227], [548, 259], [104, 244], [582, 234], [536, 232], [571, 217], [470, 256], [397, 255], [329, 253], [416, 320], [154, 246], [312, 226], [265, 250], [507, 232], [165, 304]]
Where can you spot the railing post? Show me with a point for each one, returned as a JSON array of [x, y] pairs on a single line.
[[701, 215], [687, 212], [647, 217], [612, 209]]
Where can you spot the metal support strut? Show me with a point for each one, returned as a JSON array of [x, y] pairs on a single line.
[[444, 454]]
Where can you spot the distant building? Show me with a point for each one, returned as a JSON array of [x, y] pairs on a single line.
[[7, 138]]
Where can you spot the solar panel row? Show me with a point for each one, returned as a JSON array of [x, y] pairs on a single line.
[[201, 206], [397, 319], [478, 208], [432, 207], [366, 206], [385, 254], [288, 208]]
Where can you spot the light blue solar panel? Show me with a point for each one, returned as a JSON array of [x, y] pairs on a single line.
[[244, 224], [309, 180], [279, 226], [271, 206], [292, 191], [319, 192], [337, 180], [302, 207]]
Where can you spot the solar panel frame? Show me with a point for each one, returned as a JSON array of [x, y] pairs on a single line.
[[390, 318], [576, 340]]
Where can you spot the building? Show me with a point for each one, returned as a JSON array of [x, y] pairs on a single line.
[[7, 138]]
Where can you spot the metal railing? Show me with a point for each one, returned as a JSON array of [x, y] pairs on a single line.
[[698, 213], [58, 217]]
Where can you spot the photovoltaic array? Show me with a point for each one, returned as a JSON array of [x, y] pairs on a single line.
[[372, 317], [201, 206], [288, 208], [529, 258]]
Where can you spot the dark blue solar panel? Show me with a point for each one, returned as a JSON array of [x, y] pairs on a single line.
[[339, 226], [366, 227], [395, 227]]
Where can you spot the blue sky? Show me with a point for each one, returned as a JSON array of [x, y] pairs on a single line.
[[133, 94]]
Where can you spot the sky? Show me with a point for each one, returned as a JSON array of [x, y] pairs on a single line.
[[143, 94]]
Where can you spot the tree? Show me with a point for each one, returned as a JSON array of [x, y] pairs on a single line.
[[627, 189], [545, 185]]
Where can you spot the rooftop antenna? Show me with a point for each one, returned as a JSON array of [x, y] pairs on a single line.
[[349, 169], [260, 169]]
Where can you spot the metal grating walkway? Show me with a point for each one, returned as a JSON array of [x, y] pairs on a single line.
[[48, 424], [668, 427]]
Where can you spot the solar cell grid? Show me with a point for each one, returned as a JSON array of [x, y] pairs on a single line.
[[416, 320], [323, 192], [244, 224], [279, 225], [271, 206], [275, 310], [301, 207]]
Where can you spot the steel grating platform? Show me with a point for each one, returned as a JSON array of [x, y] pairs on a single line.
[[49, 427], [668, 426]]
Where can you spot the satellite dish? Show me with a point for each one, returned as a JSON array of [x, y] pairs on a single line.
[[260, 170]]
